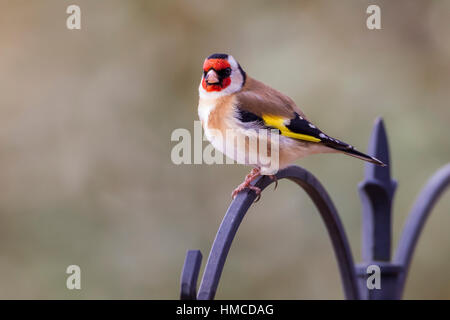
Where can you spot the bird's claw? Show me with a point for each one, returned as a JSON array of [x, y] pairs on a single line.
[[243, 187], [274, 178], [258, 196], [246, 184]]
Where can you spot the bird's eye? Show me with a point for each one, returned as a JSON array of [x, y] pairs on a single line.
[[225, 73]]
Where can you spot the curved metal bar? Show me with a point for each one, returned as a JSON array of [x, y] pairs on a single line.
[[189, 276], [417, 218], [237, 211]]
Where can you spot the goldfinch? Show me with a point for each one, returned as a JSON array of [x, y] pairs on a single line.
[[231, 101]]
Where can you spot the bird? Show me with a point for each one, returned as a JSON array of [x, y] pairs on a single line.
[[230, 101]]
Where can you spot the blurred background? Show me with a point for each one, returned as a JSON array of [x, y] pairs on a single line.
[[86, 118]]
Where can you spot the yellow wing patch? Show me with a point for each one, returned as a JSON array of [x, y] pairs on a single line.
[[278, 122]]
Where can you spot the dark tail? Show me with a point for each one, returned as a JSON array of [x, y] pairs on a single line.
[[350, 150], [355, 153]]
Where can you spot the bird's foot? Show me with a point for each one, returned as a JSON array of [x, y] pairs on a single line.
[[246, 184], [274, 178]]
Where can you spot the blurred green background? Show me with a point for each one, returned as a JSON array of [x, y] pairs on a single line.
[[86, 118]]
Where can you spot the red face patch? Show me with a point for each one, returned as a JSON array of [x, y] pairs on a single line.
[[217, 65]]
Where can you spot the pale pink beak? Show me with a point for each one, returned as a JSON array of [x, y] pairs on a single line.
[[212, 77]]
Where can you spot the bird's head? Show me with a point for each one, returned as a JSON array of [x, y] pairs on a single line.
[[222, 75]]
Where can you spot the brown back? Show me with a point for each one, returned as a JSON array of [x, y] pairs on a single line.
[[258, 98]]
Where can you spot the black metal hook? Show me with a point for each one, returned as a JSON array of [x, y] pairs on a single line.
[[236, 213]]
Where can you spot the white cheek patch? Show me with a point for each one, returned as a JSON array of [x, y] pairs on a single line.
[[233, 63], [237, 79]]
